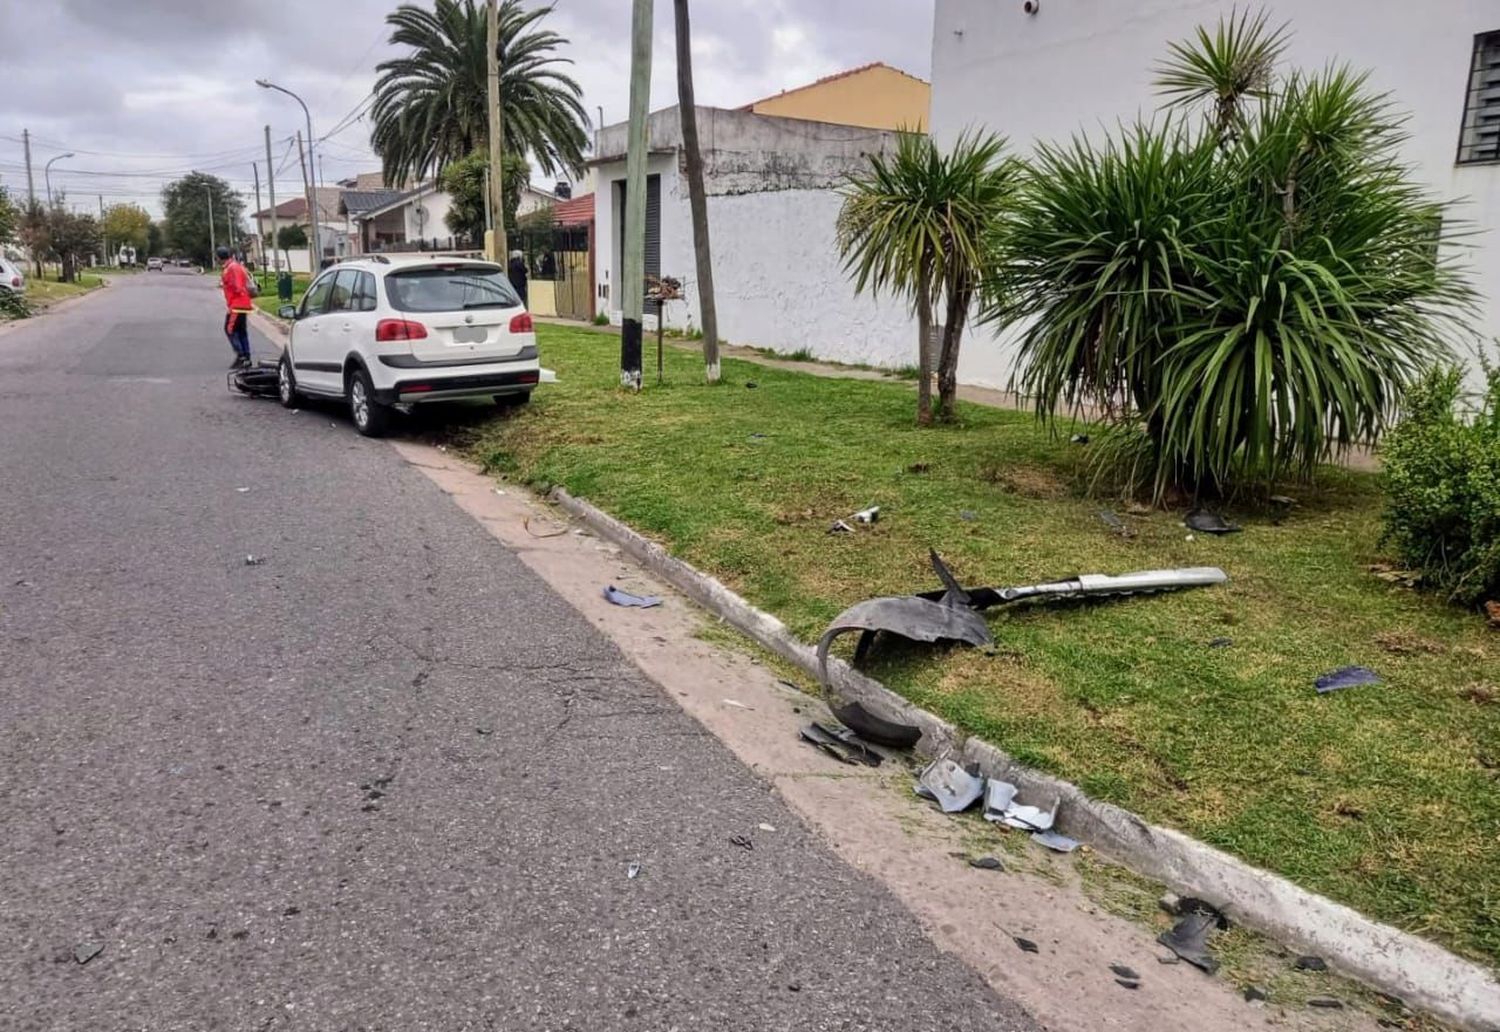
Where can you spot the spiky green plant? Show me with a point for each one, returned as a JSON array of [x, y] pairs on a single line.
[[913, 224], [1255, 295]]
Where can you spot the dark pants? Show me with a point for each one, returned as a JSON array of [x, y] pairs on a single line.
[[236, 328]]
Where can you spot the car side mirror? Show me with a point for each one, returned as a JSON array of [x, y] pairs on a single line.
[[287, 311]]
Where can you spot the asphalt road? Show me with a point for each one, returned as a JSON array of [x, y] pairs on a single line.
[[386, 780]]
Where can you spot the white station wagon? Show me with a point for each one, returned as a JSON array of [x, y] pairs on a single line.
[[388, 333]]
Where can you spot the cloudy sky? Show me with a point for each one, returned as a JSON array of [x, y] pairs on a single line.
[[143, 90]]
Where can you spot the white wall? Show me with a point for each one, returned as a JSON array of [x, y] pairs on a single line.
[[1084, 64], [432, 223]]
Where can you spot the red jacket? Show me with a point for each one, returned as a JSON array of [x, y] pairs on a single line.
[[235, 282]]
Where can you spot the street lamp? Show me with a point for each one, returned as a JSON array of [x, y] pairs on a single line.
[[47, 173], [312, 201]]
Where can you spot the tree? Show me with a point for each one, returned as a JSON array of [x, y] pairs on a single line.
[[35, 232], [697, 197], [1243, 296], [10, 217], [71, 237], [464, 182], [186, 202], [289, 238], [127, 224], [155, 240], [430, 111], [914, 224]]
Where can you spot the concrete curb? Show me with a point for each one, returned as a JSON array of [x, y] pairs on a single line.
[[1421, 973], [10, 325]]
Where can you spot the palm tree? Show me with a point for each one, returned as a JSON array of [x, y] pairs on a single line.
[[429, 105], [914, 224]]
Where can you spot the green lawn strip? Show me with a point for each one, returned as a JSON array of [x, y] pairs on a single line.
[[269, 302], [1380, 797], [46, 292]]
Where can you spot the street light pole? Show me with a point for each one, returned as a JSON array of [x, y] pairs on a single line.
[[312, 208], [47, 174]]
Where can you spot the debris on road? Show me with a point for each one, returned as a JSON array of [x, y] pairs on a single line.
[[87, 951], [254, 560], [1125, 972], [1311, 963], [743, 841], [737, 704], [840, 527], [626, 599], [1325, 1003], [1079, 439], [1206, 522], [870, 515], [1189, 937], [1026, 945], [987, 863], [1254, 993], [1220, 643], [1054, 841], [557, 532], [763, 826], [1128, 983], [1000, 807], [874, 728], [950, 786], [1345, 677], [633, 870], [841, 743], [242, 490]]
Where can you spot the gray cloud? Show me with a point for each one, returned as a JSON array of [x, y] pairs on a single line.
[[148, 89]]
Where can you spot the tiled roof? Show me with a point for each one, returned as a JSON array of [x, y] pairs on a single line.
[[357, 201], [577, 212]]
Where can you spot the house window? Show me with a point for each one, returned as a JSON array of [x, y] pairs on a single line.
[[1480, 139]]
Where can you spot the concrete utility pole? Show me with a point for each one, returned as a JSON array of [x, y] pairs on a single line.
[[633, 278], [312, 240], [271, 186], [30, 182], [260, 229], [103, 235], [708, 310], [496, 245], [212, 246]]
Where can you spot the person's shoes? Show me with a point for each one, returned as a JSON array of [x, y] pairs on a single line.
[[240, 362]]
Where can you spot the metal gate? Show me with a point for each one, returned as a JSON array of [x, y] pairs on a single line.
[[574, 284]]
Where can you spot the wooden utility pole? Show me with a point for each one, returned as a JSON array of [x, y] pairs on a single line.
[[496, 244], [708, 311], [633, 278], [271, 186], [30, 182], [312, 238]]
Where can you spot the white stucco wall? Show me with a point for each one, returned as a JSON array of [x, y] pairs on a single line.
[[1084, 64], [430, 224]]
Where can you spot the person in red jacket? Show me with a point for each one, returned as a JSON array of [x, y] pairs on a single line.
[[235, 282]]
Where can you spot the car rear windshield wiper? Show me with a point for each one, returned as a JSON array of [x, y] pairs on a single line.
[[486, 304]]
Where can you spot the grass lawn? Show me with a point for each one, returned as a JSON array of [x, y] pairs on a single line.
[[45, 292], [268, 301], [1386, 798]]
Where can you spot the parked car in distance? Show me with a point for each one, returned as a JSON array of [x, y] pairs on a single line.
[[11, 276], [386, 333], [153, 265]]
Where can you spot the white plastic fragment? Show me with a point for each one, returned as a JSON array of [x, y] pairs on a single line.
[[953, 788]]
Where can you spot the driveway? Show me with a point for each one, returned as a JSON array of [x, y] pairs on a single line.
[[384, 779]]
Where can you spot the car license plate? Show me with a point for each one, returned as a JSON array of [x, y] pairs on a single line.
[[470, 335]]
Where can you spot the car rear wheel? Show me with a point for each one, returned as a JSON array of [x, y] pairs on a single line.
[[286, 383], [371, 418]]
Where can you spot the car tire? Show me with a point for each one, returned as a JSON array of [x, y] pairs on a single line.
[[371, 418], [513, 401], [286, 383]]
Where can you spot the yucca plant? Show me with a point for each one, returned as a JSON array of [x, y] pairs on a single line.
[[914, 225], [1254, 291]]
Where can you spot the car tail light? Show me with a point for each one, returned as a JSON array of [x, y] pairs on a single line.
[[15, 281], [387, 330], [520, 323]]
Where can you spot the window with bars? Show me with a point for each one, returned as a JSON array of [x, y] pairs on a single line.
[[1480, 139]]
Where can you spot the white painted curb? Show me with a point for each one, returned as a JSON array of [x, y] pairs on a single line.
[[1422, 974]]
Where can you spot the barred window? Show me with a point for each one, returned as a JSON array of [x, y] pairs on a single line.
[[1480, 139]]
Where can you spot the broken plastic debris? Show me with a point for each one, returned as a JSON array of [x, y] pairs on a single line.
[[254, 560], [840, 527], [870, 515], [1206, 522], [968, 515], [987, 863], [547, 376], [1079, 439], [1311, 963], [1325, 1003], [841, 743], [743, 841], [1346, 677], [1128, 983], [87, 951], [1115, 524], [763, 826], [633, 870], [1255, 994], [625, 598], [1026, 945], [1189, 937], [1054, 841], [736, 703], [242, 490], [1125, 972], [875, 728], [1000, 807], [953, 788], [1220, 643]]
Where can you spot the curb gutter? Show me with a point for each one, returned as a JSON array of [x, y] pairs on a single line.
[[1422, 974]]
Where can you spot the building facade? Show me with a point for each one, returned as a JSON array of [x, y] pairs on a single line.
[[875, 96], [1083, 65]]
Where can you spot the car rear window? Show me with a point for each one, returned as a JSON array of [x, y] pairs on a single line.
[[450, 288]]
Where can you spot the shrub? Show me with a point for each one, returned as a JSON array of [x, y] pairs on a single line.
[[1253, 290], [1442, 482], [13, 305]]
